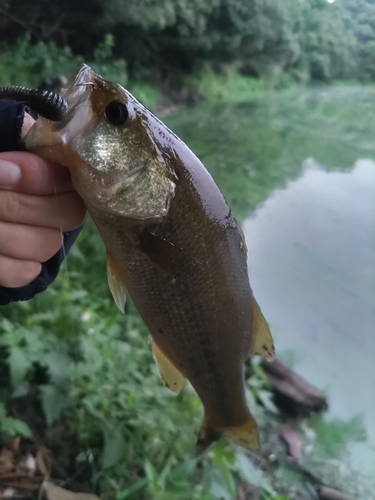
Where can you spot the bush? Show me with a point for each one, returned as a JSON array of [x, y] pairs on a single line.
[[230, 86], [69, 356], [29, 64]]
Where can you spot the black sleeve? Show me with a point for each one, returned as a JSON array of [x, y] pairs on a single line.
[[11, 119]]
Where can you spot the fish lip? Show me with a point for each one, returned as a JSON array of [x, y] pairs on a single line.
[[45, 134], [85, 75], [85, 80]]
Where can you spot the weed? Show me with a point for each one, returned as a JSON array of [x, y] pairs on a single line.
[[91, 366]]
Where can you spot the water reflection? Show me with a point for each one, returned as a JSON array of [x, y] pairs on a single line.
[[312, 267], [312, 238]]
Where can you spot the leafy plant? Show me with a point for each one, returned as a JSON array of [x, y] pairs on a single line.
[[11, 427], [78, 359], [29, 64], [225, 87], [147, 94]]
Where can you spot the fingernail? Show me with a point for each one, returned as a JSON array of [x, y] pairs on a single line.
[[10, 173]]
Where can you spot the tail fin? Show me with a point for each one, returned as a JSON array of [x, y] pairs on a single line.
[[207, 435], [245, 435]]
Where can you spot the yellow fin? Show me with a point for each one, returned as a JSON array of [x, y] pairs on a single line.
[[169, 374], [116, 284], [245, 435], [261, 338]]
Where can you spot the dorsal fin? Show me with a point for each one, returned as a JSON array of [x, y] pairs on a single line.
[[261, 338], [116, 284]]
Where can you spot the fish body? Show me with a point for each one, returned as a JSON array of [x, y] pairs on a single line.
[[171, 241]]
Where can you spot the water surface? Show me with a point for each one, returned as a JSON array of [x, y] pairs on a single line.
[[298, 169]]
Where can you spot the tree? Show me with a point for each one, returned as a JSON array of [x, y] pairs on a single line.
[[361, 27]]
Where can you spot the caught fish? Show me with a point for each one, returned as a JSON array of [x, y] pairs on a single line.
[[172, 244]]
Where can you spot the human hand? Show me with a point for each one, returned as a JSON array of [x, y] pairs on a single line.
[[37, 204]]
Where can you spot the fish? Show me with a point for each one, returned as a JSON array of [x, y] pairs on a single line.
[[172, 244]]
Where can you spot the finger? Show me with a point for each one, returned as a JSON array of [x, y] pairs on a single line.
[[15, 273], [36, 175], [64, 211], [28, 122], [20, 241]]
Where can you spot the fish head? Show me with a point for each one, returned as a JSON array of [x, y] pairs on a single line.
[[111, 145]]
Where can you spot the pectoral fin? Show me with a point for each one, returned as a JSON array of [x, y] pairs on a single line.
[[116, 284], [261, 338], [169, 374], [245, 435]]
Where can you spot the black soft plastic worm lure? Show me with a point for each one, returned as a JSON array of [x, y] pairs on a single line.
[[47, 104]]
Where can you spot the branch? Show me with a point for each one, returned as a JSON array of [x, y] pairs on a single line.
[[292, 393], [24, 24]]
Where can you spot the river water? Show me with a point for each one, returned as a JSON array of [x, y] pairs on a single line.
[[297, 167]]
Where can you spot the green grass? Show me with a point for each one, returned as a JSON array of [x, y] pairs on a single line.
[[70, 356], [231, 86]]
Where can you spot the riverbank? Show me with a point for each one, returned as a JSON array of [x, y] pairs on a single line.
[[282, 471], [32, 65]]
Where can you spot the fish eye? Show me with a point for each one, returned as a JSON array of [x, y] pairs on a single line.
[[116, 112]]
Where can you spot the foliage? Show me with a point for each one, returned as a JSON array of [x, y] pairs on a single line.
[[262, 38], [331, 441], [28, 64], [326, 44], [147, 94], [259, 35], [226, 87], [231, 86], [333, 436], [185, 15], [11, 427], [69, 354], [361, 28]]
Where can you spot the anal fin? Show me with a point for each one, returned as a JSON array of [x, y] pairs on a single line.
[[169, 374], [116, 284], [261, 337]]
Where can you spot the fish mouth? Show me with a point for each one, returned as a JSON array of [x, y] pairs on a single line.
[[46, 138], [85, 79]]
